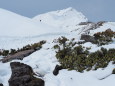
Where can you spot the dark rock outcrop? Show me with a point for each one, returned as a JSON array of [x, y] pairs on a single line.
[[22, 75], [85, 23], [88, 38], [56, 70], [100, 23], [1, 84], [113, 72], [18, 56], [91, 26]]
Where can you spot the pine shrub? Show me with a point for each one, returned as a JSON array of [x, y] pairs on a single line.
[[78, 58], [104, 37]]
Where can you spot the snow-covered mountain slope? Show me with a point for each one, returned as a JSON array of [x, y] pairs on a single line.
[[17, 31], [66, 18], [12, 24]]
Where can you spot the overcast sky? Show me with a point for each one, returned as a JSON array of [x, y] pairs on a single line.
[[94, 10]]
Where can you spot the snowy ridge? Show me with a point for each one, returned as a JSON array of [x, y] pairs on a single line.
[[13, 24], [66, 18]]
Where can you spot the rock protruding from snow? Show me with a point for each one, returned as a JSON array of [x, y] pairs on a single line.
[[113, 72], [56, 70], [88, 38], [17, 56], [62, 18], [1, 84], [22, 75]]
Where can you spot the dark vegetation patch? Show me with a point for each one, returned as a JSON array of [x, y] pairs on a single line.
[[100, 38], [105, 37], [19, 54], [35, 46], [78, 58]]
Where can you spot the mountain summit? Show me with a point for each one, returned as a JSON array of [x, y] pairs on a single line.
[[62, 18]]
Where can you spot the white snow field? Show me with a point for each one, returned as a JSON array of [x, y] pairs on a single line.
[[17, 31], [66, 19], [15, 25]]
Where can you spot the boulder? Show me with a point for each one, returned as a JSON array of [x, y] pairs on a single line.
[[56, 70], [88, 38], [23, 75], [1, 84], [113, 72]]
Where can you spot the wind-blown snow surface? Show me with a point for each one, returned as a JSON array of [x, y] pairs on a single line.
[[12, 24], [18, 31], [65, 19]]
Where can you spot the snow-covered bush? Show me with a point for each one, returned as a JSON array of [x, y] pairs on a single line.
[[104, 37], [78, 58], [69, 55]]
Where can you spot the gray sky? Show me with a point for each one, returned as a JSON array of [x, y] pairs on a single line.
[[94, 10]]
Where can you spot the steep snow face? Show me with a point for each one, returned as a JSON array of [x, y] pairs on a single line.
[[66, 18], [12, 24]]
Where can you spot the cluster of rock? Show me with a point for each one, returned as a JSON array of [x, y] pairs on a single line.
[[91, 26]]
